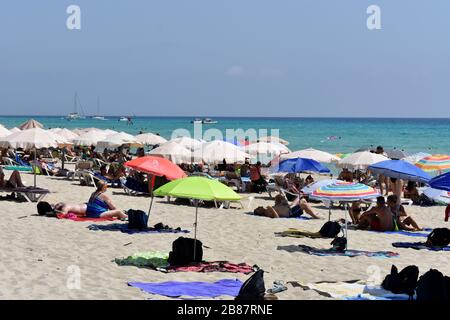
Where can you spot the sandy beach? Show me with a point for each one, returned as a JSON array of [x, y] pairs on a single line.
[[38, 253]]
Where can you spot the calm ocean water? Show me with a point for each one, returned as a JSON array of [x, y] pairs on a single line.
[[328, 134]]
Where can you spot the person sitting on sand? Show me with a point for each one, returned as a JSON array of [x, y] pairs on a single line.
[[281, 209], [309, 180], [411, 192], [379, 218], [101, 206], [355, 211], [14, 181], [404, 222]]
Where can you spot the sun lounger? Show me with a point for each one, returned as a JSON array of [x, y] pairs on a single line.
[[129, 188], [31, 194], [10, 162]]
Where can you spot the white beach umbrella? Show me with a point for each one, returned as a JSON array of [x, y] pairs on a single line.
[[187, 142], [35, 138], [273, 139], [175, 153], [15, 129], [110, 132], [216, 151], [150, 139], [310, 153], [66, 133], [360, 160], [266, 148], [4, 132], [116, 140], [90, 138]]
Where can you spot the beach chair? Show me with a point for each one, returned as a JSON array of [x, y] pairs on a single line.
[[9, 162], [128, 188], [71, 159], [31, 194], [98, 163], [87, 178]]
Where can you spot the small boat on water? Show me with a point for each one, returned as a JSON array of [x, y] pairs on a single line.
[[98, 116], [75, 115], [204, 121], [123, 119]]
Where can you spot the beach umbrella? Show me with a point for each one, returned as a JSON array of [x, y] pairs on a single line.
[[343, 192], [4, 132], [273, 139], [266, 148], [156, 166], [441, 182], [63, 132], [311, 153], [360, 160], [31, 124], [396, 154], [401, 170], [216, 151], [175, 153], [197, 188], [342, 155], [188, 142], [437, 195], [14, 130], [437, 163], [413, 158], [118, 139], [316, 185], [109, 132], [150, 139], [90, 138], [301, 165], [32, 139]]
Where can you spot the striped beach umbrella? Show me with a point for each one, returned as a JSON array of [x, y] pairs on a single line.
[[436, 163]]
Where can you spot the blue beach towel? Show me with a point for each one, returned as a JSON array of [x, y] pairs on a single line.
[[123, 227], [227, 287], [418, 246], [329, 252], [405, 233]]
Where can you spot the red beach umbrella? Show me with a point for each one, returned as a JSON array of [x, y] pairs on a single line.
[[157, 166]]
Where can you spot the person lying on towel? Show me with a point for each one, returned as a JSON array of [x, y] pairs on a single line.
[[281, 209], [14, 181]]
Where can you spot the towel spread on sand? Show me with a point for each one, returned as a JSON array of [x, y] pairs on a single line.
[[224, 287], [74, 217], [353, 291], [296, 233], [419, 246], [331, 252], [151, 259], [123, 227], [407, 233], [158, 261]]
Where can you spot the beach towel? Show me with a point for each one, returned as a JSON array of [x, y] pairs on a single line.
[[331, 252], [74, 217], [214, 266], [224, 287], [151, 259], [123, 227], [408, 233], [297, 233], [352, 290], [419, 246]]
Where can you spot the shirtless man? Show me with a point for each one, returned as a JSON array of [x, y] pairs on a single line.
[[404, 222], [379, 218]]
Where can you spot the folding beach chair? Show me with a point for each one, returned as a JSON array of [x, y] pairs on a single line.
[[31, 194]]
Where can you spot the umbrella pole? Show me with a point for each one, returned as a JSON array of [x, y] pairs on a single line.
[[195, 227], [329, 212], [34, 171], [150, 208], [63, 157], [346, 229]]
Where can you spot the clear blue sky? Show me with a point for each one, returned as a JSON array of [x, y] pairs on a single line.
[[227, 57]]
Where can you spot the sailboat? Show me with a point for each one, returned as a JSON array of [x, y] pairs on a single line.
[[74, 115], [98, 116]]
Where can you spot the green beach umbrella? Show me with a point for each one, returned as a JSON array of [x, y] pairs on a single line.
[[197, 188]]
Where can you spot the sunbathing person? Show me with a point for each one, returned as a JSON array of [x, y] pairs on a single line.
[[281, 209], [379, 218], [346, 175], [355, 211], [14, 181], [404, 222], [101, 206]]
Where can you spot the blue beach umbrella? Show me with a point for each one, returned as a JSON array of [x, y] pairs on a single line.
[[301, 165], [441, 182], [401, 170]]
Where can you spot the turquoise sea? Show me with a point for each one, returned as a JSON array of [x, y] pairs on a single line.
[[328, 134]]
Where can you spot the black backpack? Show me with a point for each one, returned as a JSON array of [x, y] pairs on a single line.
[[183, 252], [44, 208], [439, 237], [404, 281], [137, 219], [330, 229], [433, 286], [253, 288]]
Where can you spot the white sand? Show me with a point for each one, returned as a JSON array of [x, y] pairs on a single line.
[[36, 252]]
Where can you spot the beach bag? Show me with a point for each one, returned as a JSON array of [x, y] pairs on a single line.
[[44, 208], [330, 229], [183, 252], [404, 281], [253, 288], [433, 286], [339, 244], [137, 219], [439, 237]]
